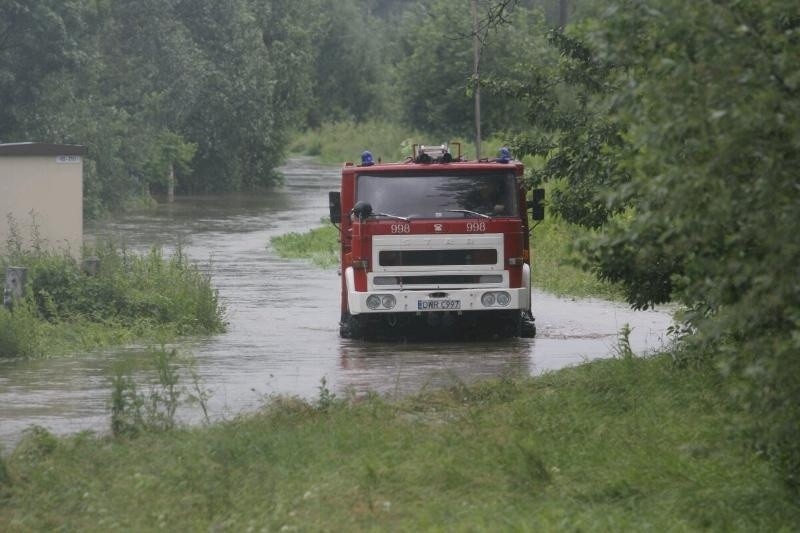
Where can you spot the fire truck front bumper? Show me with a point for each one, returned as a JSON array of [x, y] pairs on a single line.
[[460, 300]]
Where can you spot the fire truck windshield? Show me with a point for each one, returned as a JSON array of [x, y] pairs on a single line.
[[440, 195]]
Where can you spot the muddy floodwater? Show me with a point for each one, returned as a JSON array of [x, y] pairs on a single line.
[[283, 322]]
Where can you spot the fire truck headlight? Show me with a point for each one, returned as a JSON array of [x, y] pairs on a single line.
[[488, 299], [388, 301], [503, 298], [373, 301]]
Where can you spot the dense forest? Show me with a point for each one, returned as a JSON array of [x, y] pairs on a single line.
[[215, 89], [669, 128]]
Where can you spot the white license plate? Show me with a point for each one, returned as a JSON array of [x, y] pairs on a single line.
[[438, 305]]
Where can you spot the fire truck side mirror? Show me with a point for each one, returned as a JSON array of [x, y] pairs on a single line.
[[537, 204], [362, 210], [335, 205]]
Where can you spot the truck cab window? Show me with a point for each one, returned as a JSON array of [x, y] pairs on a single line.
[[439, 195]]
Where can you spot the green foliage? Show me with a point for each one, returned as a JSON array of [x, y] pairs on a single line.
[[320, 245], [615, 445], [135, 411], [337, 142], [712, 100], [214, 89], [679, 140], [20, 331], [129, 288], [348, 48], [556, 263], [149, 84], [435, 73], [39, 40], [573, 129], [132, 295]]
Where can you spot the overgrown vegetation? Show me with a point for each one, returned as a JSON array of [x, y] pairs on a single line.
[[679, 146], [150, 408], [555, 264], [320, 246], [132, 296], [626, 444], [338, 142]]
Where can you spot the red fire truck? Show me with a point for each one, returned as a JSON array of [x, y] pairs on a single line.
[[435, 245]]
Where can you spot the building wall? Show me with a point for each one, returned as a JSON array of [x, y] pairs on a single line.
[[47, 189]]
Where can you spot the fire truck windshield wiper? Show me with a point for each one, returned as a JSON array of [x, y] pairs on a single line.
[[467, 211], [398, 217]]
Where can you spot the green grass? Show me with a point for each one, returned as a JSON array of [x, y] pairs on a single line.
[[148, 296], [554, 263], [625, 444], [320, 246], [335, 143]]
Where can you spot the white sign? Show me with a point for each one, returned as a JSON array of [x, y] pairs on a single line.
[[68, 159]]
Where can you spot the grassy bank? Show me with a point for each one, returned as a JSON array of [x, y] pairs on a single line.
[[335, 143], [624, 444], [554, 263], [320, 246], [132, 297]]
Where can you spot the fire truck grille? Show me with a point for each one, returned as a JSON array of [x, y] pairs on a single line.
[[408, 258], [455, 279]]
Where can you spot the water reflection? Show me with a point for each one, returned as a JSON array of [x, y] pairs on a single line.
[[399, 369]]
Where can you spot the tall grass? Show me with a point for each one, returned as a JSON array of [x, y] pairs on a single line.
[[335, 143], [138, 408], [554, 264], [21, 332], [624, 444], [319, 245], [133, 295]]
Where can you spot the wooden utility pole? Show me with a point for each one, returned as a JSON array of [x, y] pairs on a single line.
[[476, 46], [171, 184], [562, 14]]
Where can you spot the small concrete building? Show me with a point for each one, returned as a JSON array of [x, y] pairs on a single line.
[[41, 185]]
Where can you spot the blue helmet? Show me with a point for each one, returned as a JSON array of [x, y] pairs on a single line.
[[366, 159]]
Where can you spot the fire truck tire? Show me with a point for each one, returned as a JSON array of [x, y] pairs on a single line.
[[527, 327], [350, 327]]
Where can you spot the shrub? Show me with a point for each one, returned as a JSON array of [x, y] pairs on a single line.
[[136, 292], [20, 331]]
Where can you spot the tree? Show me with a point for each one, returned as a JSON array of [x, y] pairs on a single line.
[[435, 76], [711, 99], [574, 129], [37, 43], [347, 76]]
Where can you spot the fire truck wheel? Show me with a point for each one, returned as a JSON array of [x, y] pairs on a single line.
[[350, 327], [527, 327]]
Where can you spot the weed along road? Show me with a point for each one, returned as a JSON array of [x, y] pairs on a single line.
[[283, 322]]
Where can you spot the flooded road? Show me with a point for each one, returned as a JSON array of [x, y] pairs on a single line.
[[283, 321]]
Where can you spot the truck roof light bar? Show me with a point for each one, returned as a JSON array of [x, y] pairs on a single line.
[[434, 153]]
